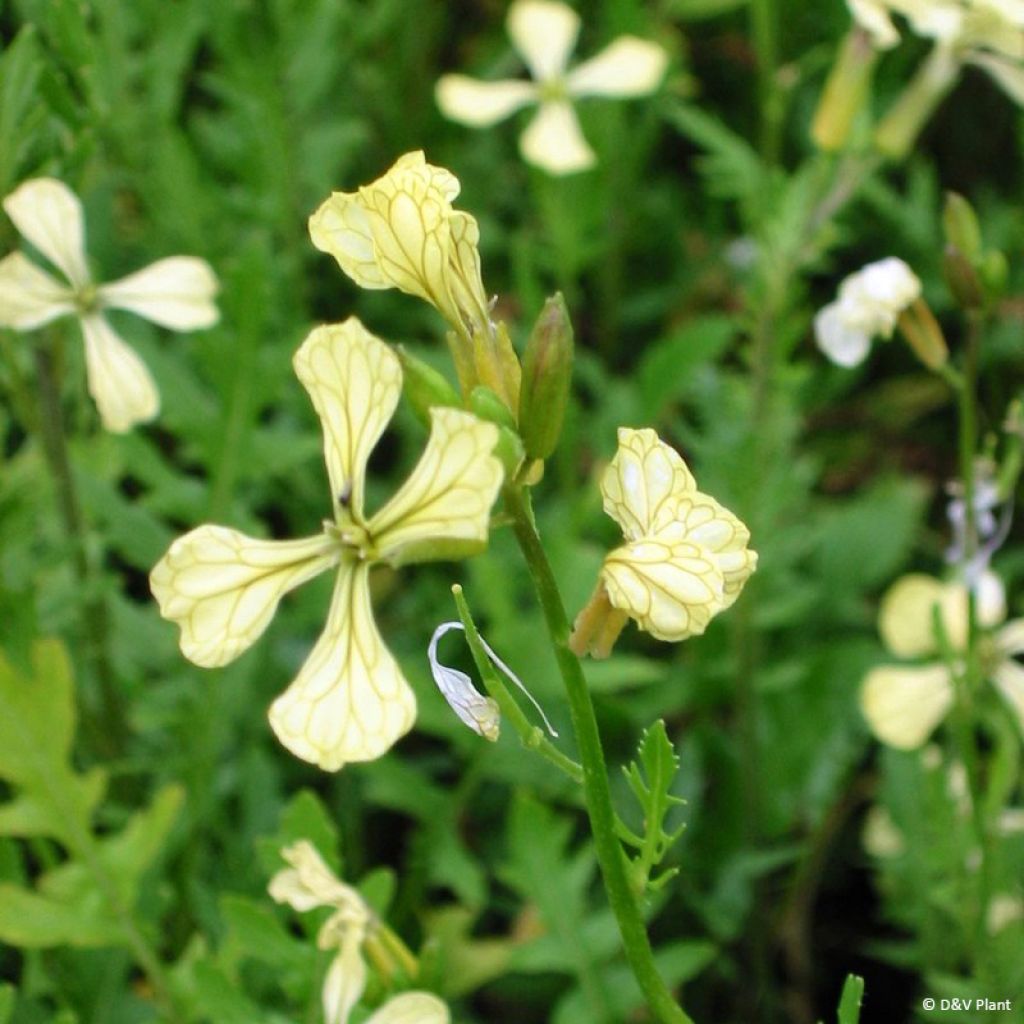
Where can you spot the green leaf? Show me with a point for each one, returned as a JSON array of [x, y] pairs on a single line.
[[255, 931], [6, 1003], [650, 777], [304, 817], [35, 921]]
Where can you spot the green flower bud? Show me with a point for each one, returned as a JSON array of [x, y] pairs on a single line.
[[424, 386], [547, 376], [961, 226], [486, 404], [994, 272], [923, 334], [962, 278]]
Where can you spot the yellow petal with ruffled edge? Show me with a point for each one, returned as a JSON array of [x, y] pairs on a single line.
[[412, 1008], [443, 508], [349, 701], [903, 705], [644, 482], [354, 381], [671, 589], [222, 587]]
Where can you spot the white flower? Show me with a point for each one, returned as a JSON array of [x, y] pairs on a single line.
[[869, 304], [176, 292], [544, 33], [903, 704], [308, 883]]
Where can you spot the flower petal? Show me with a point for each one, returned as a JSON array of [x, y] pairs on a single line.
[[349, 701], [672, 590], [176, 292], [223, 587], [627, 67], [845, 342], [1009, 679], [905, 615], [49, 215], [474, 710], [308, 882], [354, 381], [554, 142], [339, 227], [544, 33], [119, 382], [29, 297], [345, 980], [412, 1008], [644, 482], [481, 104], [903, 705], [443, 508], [873, 17]]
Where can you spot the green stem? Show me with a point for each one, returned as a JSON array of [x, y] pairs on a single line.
[[763, 24], [596, 790], [107, 723], [531, 736]]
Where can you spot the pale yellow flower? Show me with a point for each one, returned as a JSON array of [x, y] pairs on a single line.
[[350, 701], [685, 558], [544, 33], [308, 883], [177, 292], [903, 704], [401, 231]]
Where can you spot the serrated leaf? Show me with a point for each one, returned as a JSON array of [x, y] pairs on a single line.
[[34, 921], [255, 931], [304, 817]]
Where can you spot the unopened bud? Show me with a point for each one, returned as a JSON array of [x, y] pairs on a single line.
[[845, 92], [961, 226], [488, 406], [962, 278], [424, 386], [547, 376], [496, 365], [923, 334], [994, 271]]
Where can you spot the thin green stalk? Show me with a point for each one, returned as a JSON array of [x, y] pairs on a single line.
[[531, 736], [107, 724], [596, 790], [764, 29]]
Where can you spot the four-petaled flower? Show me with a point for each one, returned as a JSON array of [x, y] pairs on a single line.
[[545, 34], [903, 704], [869, 304], [350, 701], [176, 292], [401, 231], [685, 558], [308, 883]]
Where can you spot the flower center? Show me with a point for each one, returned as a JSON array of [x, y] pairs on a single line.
[[87, 299], [553, 90], [352, 536]]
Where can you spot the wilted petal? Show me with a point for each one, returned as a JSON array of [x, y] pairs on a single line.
[[480, 104], [1009, 679], [354, 381], [903, 705], [544, 33], [465, 283], [845, 342], [644, 482], [443, 508], [29, 297], [119, 382], [176, 292], [554, 141], [474, 710], [345, 980], [671, 590], [412, 1008], [49, 215], [627, 67], [222, 587], [308, 882], [349, 701]]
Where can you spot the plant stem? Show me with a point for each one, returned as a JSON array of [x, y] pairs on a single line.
[[107, 725], [531, 735], [596, 790], [763, 24]]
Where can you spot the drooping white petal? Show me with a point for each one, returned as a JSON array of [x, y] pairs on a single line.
[[119, 382], [308, 882], [349, 701], [176, 292], [222, 587], [554, 141], [474, 710], [49, 215], [873, 17], [1009, 679], [443, 508], [903, 705], [345, 980], [480, 104], [354, 381], [1007, 74], [846, 343], [627, 67], [544, 32], [29, 297], [1010, 639], [412, 1008], [643, 483]]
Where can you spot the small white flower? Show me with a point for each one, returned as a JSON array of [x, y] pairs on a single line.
[[544, 33], [869, 304], [177, 292]]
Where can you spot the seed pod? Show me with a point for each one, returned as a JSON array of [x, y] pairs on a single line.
[[547, 376], [424, 386]]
